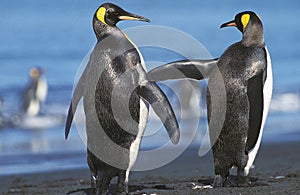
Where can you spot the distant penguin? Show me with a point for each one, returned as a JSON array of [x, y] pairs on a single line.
[[247, 73], [115, 72], [35, 93]]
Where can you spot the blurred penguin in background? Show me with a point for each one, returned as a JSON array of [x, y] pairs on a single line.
[[35, 93]]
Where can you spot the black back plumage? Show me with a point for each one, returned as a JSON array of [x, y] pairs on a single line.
[[244, 88]]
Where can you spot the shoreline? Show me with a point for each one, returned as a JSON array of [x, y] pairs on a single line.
[[277, 171]]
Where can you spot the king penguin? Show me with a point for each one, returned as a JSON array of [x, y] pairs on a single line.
[[116, 95], [247, 75], [35, 93]]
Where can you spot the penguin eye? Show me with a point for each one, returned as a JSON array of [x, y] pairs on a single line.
[[111, 15], [109, 11]]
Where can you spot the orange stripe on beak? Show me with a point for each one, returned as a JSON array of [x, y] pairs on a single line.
[[231, 24], [227, 24]]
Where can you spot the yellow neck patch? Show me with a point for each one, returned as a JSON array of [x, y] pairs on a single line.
[[245, 20], [101, 14]]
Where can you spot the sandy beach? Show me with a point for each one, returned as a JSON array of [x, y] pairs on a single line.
[[277, 171]]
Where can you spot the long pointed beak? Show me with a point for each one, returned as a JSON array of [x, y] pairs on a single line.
[[227, 24], [129, 16]]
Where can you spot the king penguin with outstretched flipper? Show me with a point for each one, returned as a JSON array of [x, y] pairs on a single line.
[[247, 75], [116, 93]]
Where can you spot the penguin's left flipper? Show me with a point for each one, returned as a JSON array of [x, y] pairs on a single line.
[[77, 95], [69, 120], [184, 69], [161, 105]]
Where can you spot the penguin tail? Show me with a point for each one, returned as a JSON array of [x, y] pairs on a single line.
[[184, 69], [162, 107]]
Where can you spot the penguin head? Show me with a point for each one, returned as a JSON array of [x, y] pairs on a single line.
[[250, 25], [243, 21], [110, 14], [35, 72]]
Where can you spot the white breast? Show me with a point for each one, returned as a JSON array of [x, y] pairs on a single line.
[[267, 92], [42, 89], [134, 148]]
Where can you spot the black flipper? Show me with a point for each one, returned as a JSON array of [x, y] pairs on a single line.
[[192, 69], [69, 120], [161, 105], [77, 95], [256, 100]]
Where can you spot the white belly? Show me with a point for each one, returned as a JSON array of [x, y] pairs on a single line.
[[42, 89], [134, 148]]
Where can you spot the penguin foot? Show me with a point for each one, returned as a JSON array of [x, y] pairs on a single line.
[[94, 184], [122, 190], [101, 192], [97, 187], [228, 183], [94, 181], [122, 193], [242, 181], [218, 181], [122, 187]]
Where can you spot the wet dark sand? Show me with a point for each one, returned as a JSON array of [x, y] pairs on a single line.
[[277, 171]]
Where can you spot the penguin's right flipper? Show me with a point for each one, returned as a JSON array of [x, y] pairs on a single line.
[[161, 105], [184, 69], [77, 95], [256, 102]]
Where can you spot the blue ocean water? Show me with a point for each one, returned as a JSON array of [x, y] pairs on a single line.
[[56, 35]]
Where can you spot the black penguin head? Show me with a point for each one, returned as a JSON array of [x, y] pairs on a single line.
[[110, 14], [251, 26], [244, 20]]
